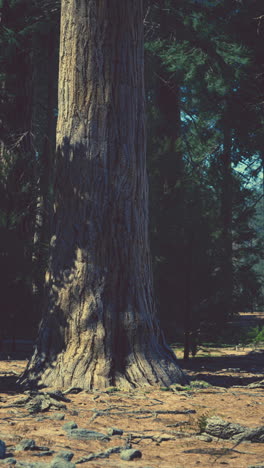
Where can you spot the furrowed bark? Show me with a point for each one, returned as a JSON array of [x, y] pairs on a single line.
[[99, 326]]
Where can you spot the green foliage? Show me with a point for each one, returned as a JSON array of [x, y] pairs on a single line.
[[255, 335], [199, 384], [205, 67], [202, 422], [112, 389], [194, 385]]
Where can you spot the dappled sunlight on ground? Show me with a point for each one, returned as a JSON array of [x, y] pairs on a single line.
[[163, 425]]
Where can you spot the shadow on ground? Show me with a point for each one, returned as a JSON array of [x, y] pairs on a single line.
[[228, 370], [9, 385], [12, 364], [223, 371]]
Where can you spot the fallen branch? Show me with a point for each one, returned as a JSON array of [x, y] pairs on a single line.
[[148, 413], [104, 454]]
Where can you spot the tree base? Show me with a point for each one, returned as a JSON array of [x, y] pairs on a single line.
[[74, 369]]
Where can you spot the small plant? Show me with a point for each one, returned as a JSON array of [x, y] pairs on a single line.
[[179, 388], [200, 384], [201, 422], [111, 389], [255, 335], [198, 422]]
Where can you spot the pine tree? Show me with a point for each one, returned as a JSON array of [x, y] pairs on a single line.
[[99, 326], [208, 65]]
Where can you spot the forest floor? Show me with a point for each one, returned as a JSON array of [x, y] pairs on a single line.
[[149, 418], [165, 425]]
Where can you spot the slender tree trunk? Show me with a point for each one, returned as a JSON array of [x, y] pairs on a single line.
[[227, 251], [99, 325], [169, 206], [262, 162], [188, 319], [46, 175], [167, 197]]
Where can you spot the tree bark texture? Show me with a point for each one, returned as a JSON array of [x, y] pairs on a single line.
[[99, 326]]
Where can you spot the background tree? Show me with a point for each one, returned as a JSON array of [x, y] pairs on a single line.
[[207, 66], [28, 57]]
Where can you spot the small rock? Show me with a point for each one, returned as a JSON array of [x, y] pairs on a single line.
[[204, 438], [69, 425], [37, 404], [85, 434], [130, 454], [114, 431], [10, 461], [65, 455], [2, 449], [60, 463], [26, 444], [58, 416], [45, 401], [256, 466], [217, 427]]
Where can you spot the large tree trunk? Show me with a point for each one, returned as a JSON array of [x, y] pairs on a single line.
[[99, 325]]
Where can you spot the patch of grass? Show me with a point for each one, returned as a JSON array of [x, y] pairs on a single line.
[[194, 385], [200, 384], [179, 388], [199, 421], [111, 389]]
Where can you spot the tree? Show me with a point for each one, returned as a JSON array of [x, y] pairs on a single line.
[[28, 96], [99, 326], [200, 56]]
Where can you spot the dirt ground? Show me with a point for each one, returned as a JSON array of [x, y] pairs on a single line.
[[149, 418]]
